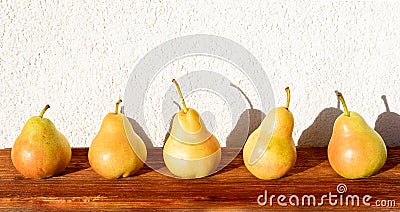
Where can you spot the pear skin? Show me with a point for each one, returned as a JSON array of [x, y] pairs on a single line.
[[190, 151], [192, 160], [188, 127], [355, 149], [40, 151], [270, 152], [116, 151]]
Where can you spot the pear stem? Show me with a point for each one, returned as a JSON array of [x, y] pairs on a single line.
[[340, 96], [43, 111], [180, 95], [288, 97], [117, 105], [386, 103]]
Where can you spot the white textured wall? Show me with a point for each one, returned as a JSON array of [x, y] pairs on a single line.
[[77, 55]]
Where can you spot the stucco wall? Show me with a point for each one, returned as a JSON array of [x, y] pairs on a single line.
[[77, 57]]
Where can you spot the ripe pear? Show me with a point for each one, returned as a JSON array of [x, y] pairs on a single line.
[[355, 149], [270, 152], [40, 151], [116, 151], [190, 151]]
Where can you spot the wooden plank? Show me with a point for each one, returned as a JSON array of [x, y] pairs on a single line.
[[79, 187]]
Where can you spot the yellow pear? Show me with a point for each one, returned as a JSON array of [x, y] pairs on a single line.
[[116, 151], [40, 151], [190, 151], [270, 152], [355, 149]]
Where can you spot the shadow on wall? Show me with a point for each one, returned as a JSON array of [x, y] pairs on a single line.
[[139, 130], [142, 134], [251, 117], [319, 132], [388, 126], [171, 120]]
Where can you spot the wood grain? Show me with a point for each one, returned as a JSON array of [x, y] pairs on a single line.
[[79, 187]]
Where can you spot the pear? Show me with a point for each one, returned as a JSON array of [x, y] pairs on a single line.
[[269, 152], [40, 151], [116, 151], [355, 150], [190, 151]]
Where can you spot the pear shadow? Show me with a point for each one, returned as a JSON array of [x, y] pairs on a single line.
[[319, 133], [79, 161], [393, 159], [140, 132], [147, 142], [388, 126], [307, 159], [149, 146], [248, 121], [170, 124], [238, 136], [227, 163], [168, 131], [143, 170]]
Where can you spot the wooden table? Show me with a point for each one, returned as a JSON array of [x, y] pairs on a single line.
[[79, 187]]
